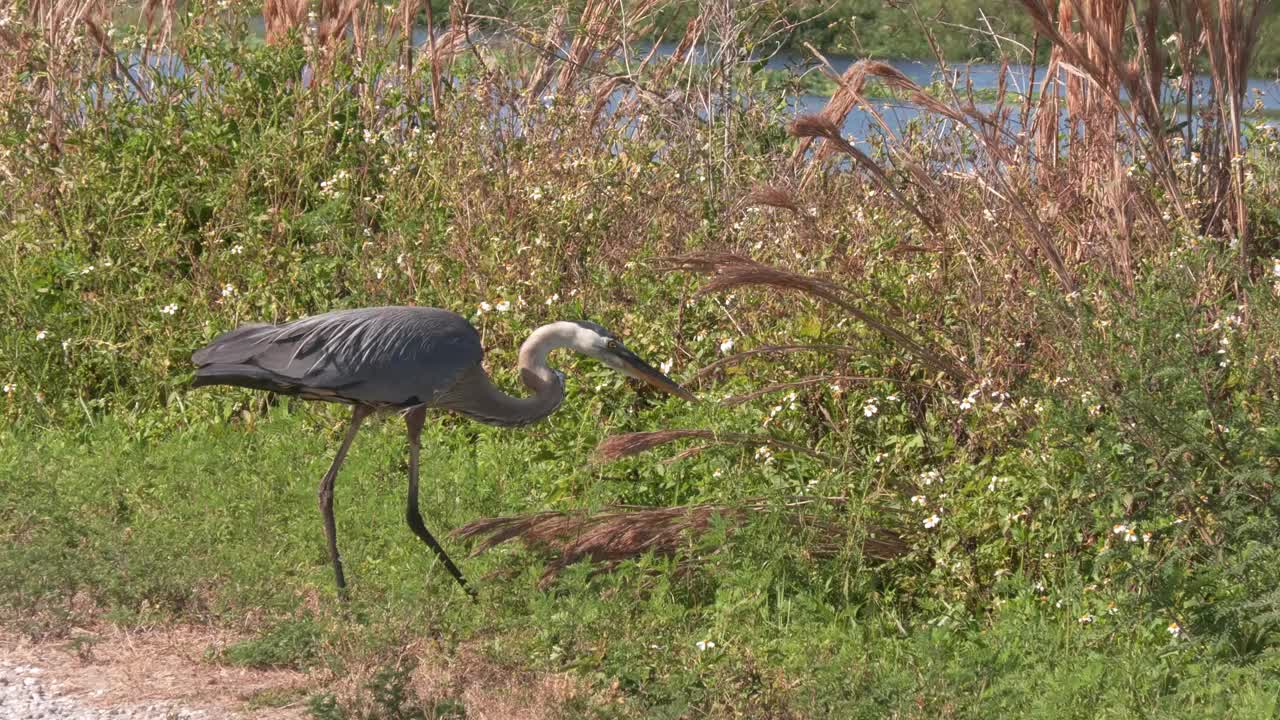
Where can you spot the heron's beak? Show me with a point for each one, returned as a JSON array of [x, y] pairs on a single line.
[[633, 366]]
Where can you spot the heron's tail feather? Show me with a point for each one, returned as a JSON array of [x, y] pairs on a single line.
[[235, 346]]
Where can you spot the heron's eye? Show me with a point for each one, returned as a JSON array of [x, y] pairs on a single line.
[[612, 345]]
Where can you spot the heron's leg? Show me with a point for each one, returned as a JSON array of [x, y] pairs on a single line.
[[326, 496], [414, 420]]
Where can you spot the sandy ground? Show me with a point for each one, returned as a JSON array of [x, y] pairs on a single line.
[[107, 673]]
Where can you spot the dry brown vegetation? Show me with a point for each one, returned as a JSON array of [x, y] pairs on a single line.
[[611, 537]]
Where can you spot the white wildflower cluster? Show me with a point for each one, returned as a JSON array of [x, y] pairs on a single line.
[[932, 521], [1228, 327], [1130, 533], [1091, 403], [930, 477], [170, 309], [764, 454], [236, 249], [704, 645], [499, 305], [870, 408], [788, 403], [333, 186], [41, 335], [1175, 630], [726, 345]]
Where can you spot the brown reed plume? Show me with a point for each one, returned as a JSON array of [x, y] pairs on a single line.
[[612, 537], [283, 17], [821, 126], [729, 271]]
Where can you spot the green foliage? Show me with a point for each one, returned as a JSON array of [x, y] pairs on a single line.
[[290, 643], [1091, 523]]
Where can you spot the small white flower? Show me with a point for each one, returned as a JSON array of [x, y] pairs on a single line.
[[228, 290], [764, 453], [965, 404], [1131, 535], [41, 334], [726, 346], [65, 344], [555, 297], [1146, 537], [1119, 529], [869, 409], [665, 366], [718, 473], [929, 477], [535, 194], [236, 249], [485, 307], [919, 500], [1175, 629], [932, 521], [1085, 619], [87, 269], [170, 309], [705, 645], [9, 388], [503, 306]]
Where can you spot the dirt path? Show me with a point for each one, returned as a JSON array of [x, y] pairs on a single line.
[[107, 673], [161, 674]]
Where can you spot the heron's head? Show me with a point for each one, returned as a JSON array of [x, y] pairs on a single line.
[[594, 341]]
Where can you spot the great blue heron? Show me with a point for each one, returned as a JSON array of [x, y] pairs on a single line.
[[409, 359]]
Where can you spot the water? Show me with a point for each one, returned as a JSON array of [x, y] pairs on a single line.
[[860, 124]]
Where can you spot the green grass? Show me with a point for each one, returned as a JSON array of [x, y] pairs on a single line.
[[127, 497], [207, 522]]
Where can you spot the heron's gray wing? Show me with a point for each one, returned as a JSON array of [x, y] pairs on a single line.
[[386, 355]]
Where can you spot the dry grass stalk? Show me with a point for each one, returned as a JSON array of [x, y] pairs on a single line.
[[1231, 36], [820, 126], [812, 380], [549, 50], [282, 17], [611, 538], [985, 128], [730, 271], [616, 447], [165, 11], [772, 196], [335, 17], [741, 357]]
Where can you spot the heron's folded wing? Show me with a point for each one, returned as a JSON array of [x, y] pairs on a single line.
[[393, 355]]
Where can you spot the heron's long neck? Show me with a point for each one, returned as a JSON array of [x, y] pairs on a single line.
[[480, 399]]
